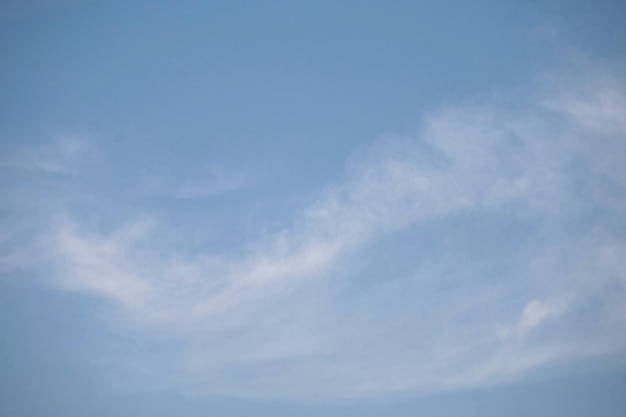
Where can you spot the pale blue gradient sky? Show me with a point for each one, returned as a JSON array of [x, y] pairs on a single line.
[[312, 208]]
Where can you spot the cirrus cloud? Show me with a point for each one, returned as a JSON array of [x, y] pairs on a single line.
[[488, 245]]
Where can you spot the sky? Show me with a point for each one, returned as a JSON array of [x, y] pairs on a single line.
[[339, 208]]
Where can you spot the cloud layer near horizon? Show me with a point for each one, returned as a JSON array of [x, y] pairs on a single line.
[[490, 244]]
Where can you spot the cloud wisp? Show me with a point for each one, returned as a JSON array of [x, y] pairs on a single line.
[[211, 181], [515, 223]]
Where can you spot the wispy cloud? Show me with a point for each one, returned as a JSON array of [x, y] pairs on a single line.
[[209, 182], [63, 155], [516, 215]]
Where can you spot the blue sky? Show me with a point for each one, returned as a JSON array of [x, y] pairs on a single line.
[[312, 208]]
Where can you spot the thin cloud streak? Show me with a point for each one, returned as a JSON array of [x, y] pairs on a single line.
[[281, 320], [64, 155], [210, 182]]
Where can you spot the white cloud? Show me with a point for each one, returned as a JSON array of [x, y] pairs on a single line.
[[64, 155], [209, 182], [299, 314], [534, 314], [598, 104]]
